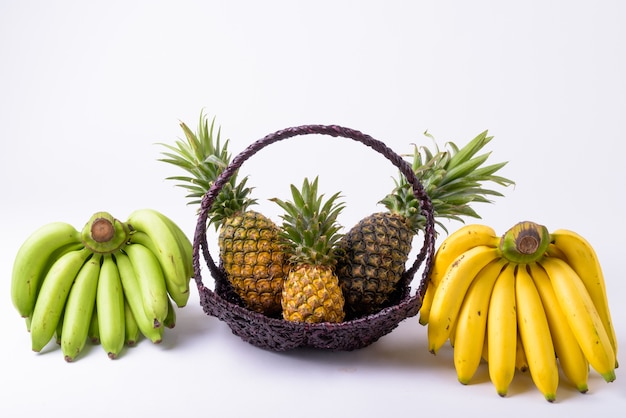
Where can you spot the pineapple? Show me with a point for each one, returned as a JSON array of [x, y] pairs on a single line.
[[311, 292], [250, 249], [371, 256]]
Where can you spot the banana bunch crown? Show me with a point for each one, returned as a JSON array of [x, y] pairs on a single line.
[[104, 234], [452, 178], [525, 242]]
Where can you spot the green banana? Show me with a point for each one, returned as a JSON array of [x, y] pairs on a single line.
[[171, 254], [184, 242], [173, 288], [93, 334], [110, 306], [53, 295], [134, 299], [59, 331], [170, 319], [79, 309], [34, 258], [151, 282], [130, 326]]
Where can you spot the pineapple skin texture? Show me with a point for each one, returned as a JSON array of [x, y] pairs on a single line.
[[312, 294], [371, 259], [254, 261]]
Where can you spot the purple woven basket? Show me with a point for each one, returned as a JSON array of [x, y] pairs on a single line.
[[278, 334]]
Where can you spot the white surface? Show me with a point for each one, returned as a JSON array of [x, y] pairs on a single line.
[[88, 88]]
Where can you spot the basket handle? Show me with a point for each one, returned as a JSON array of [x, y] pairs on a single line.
[[428, 248]]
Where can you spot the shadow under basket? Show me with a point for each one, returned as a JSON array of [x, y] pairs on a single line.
[[281, 335]]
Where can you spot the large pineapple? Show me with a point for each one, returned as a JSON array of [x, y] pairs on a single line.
[[311, 292], [371, 257], [250, 248]]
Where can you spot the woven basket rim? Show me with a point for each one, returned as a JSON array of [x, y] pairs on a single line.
[[425, 255]]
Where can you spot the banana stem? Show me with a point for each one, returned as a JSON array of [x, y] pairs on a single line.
[[525, 242], [102, 230], [104, 234]]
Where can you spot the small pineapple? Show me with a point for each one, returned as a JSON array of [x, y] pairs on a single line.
[[311, 292], [371, 257], [250, 248]]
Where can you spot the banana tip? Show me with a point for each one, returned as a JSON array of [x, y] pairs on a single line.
[[609, 376]]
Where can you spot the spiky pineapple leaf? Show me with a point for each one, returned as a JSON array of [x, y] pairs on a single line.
[[204, 156], [453, 179], [310, 229]]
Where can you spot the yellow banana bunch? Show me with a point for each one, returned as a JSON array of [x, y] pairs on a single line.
[[108, 283], [529, 300]]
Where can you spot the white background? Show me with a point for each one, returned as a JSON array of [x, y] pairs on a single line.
[[88, 89]]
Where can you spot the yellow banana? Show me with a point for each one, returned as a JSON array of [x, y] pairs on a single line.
[[582, 316], [53, 295], [502, 331], [461, 240], [151, 282], [472, 322], [581, 256], [535, 333], [571, 358], [173, 288], [130, 327], [521, 361], [452, 338], [451, 290], [171, 253], [134, 299], [79, 308], [110, 308], [554, 251], [35, 257], [485, 353]]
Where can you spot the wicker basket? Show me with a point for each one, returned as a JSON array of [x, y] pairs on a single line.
[[280, 335]]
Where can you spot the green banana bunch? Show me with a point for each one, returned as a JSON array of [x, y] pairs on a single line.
[[110, 283], [529, 300]]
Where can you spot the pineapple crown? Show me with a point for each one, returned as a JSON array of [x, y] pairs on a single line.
[[310, 229], [203, 156], [453, 179]]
